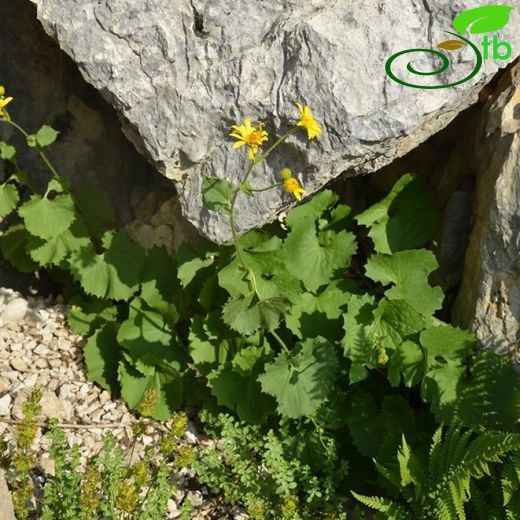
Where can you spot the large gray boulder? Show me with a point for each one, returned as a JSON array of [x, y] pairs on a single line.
[[181, 72]]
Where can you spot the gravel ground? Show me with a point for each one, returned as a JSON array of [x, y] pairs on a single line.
[[38, 349]]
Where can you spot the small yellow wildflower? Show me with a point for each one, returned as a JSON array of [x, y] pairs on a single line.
[[141, 473], [256, 510], [308, 122], [290, 184], [4, 101], [184, 457], [179, 424], [90, 496], [247, 134], [382, 358], [127, 496], [290, 507], [148, 404]]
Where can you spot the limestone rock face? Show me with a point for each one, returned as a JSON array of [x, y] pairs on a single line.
[[489, 298], [180, 72]]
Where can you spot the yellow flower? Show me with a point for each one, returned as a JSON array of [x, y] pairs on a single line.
[[247, 134], [382, 358], [148, 404], [289, 507], [308, 122], [291, 185], [4, 101]]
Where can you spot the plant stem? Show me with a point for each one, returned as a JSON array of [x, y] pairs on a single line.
[[277, 143], [234, 232], [45, 160], [43, 157], [281, 342], [238, 247], [145, 498], [258, 190]]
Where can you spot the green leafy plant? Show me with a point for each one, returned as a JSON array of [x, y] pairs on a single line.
[[21, 457], [322, 331], [108, 487], [438, 484], [266, 472]]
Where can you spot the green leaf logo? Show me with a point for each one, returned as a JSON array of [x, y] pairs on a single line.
[[483, 19]]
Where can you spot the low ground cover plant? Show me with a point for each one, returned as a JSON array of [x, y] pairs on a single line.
[[109, 487], [321, 333]]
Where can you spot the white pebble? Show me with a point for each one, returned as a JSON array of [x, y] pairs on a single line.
[[196, 498], [5, 405], [19, 364], [14, 311], [41, 350]]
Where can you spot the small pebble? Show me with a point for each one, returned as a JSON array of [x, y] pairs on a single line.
[[14, 311], [196, 498], [19, 364], [5, 405]]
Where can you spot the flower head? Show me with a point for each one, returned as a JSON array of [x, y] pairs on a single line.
[[247, 134], [382, 358], [148, 404], [308, 122], [290, 184], [4, 101]]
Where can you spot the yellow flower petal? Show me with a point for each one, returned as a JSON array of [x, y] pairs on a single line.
[[299, 193], [3, 104], [308, 122], [291, 185]]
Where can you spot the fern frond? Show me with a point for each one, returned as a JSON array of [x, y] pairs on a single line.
[[510, 479], [510, 487], [389, 473], [452, 490], [440, 508], [456, 449], [435, 454], [457, 459], [391, 509], [403, 458], [479, 504], [459, 495], [488, 447]]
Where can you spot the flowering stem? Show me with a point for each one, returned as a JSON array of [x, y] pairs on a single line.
[[258, 190], [44, 158], [292, 131], [238, 247], [234, 231]]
